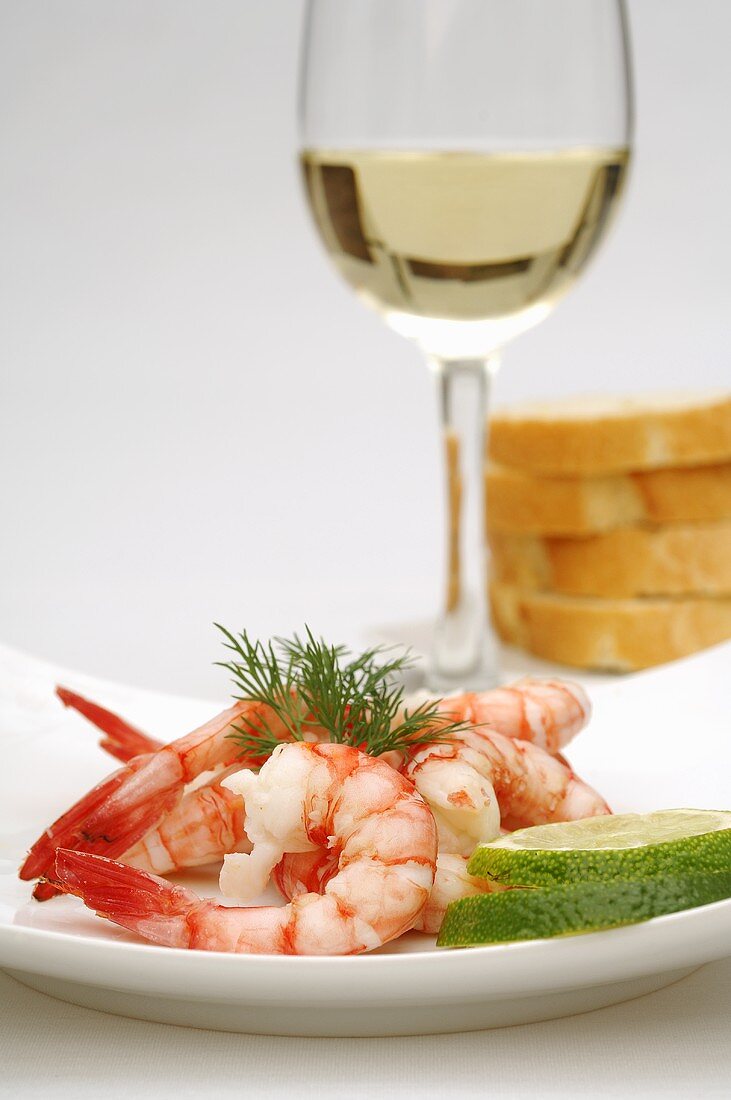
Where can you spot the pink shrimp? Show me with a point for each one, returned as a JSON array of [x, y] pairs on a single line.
[[121, 809], [306, 797], [309, 873], [120, 738], [208, 823], [466, 788], [451, 882], [480, 780], [548, 713], [202, 828]]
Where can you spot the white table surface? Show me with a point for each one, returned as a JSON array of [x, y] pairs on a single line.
[[674, 1043]]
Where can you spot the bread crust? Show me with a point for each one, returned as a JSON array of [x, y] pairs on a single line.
[[684, 559], [598, 436], [615, 635], [525, 504]]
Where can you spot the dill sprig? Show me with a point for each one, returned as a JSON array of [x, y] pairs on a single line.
[[304, 684]]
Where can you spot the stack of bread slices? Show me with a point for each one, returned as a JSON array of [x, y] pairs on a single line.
[[610, 528]]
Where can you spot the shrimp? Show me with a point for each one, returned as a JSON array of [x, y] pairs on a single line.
[[205, 825], [121, 809], [120, 738], [480, 780], [549, 713], [309, 872], [307, 797], [451, 882], [457, 791], [207, 822]]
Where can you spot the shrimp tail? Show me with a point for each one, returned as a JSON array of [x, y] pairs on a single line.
[[121, 809], [45, 890], [100, 822], [207, 823], [40, 857], [120, 738], [143, 903]]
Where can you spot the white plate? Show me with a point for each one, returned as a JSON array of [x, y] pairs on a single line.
[[657, 739]]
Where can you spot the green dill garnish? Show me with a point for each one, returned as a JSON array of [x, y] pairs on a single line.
[[304, 685]]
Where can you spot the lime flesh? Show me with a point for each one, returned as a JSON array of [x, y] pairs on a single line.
[[621, 847], [530, 914]]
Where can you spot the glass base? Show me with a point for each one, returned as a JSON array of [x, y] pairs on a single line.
[[464, 651], [482, 678], [424, 679], [426, 674]]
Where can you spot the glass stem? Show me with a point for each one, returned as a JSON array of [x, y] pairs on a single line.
[[464, 654]]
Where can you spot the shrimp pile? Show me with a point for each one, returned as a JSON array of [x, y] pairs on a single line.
[[306, 796], [362, 848]]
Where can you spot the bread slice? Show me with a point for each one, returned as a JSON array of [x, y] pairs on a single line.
[[594, 435], [617, 635], [684, 559], [524, 504]]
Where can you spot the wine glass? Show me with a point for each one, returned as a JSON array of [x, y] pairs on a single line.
[[462, 160]]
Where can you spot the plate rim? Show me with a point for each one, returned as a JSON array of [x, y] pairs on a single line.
[[530, 966]]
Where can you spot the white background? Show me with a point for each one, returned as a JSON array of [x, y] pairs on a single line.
[[199, 422]]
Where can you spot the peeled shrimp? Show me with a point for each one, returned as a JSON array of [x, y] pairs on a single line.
[[480, 780], [307, 797], [121, 809], [208, 820], [309, 872], [451, 882], [207, 823], [549, 713]]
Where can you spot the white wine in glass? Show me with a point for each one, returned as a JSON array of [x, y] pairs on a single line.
[[462, 160]]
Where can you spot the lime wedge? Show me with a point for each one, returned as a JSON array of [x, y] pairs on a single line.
[[604, 849], [566, 910]]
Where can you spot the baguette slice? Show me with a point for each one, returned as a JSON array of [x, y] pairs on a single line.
[[686, 559], [616, 635], [595, 435], [524, 504]]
